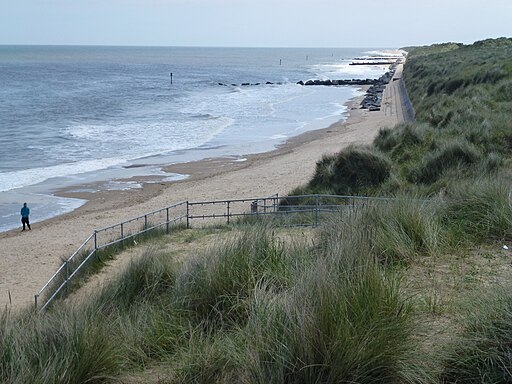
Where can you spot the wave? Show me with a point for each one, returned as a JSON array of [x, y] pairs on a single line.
[[385, 52], [19, 179], [345, 71], [128, 141]]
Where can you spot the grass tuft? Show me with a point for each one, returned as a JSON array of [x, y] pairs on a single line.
[[454, 154], [350, 172], [483, 352], [479, 210]]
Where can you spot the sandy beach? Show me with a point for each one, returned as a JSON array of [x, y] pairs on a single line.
[[28, 259]]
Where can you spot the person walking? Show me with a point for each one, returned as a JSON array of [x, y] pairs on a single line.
[[25, 212]]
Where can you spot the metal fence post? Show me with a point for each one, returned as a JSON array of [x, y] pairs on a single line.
[[67, 273], [317, 207], [188, 216]]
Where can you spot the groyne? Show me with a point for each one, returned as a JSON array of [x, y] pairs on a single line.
[[373, 98]]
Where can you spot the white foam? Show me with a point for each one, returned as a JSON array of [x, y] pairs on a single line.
[[117, 185], [278, 136], [19, 179], [136, 140], [345, 71], [131, 141]]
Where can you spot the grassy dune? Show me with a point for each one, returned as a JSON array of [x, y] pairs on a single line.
[[411, 290], [260, 307], [462, 96]]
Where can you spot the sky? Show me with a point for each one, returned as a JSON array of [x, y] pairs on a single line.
[[253, 23]]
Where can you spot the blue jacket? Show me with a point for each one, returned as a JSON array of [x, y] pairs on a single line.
[[25, 211]]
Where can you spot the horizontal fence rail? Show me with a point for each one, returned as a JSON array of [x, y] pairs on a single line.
[[230, 209], [304, 210]]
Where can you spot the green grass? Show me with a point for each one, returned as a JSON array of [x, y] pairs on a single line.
[[256, 307], [216, 289], [99, 259], [331, 321], [65, 347], [455, 154], [483, 352], [404, 229], [479, 210], [350, 172]]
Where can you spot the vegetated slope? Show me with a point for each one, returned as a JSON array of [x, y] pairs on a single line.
[[464, 99], [462, 96]]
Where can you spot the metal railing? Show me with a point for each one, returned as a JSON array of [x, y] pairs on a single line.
[[227, 210], [102, 238], [304, 210]]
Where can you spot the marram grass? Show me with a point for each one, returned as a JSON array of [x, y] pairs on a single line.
[[483, 351], [253, 309]]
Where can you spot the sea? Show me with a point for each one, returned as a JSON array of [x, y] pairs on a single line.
[[91, 117]]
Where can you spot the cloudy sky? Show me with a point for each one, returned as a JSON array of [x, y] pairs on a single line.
[[253, 23]]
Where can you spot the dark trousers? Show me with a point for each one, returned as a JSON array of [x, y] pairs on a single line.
[[24, 220]]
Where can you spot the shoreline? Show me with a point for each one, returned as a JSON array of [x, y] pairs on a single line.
[[31, 257]]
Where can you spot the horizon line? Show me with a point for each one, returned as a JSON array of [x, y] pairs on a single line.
[[189, 46]]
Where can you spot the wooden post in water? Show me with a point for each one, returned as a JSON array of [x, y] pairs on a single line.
[[170, 74]]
